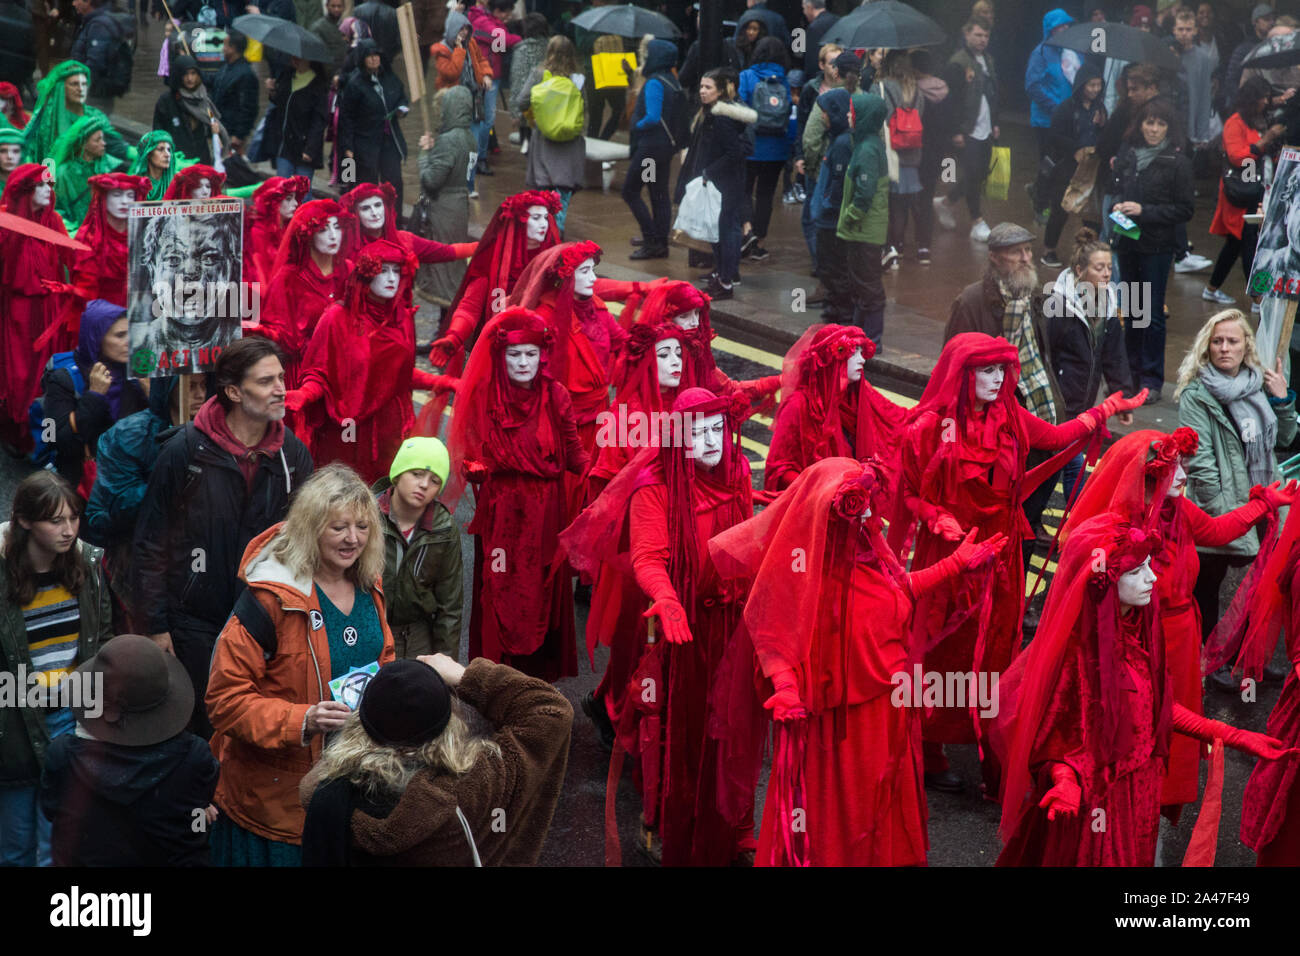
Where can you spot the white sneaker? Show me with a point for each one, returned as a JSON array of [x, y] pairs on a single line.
[[980, 231], [943, 213], [523, 147], [473, 194], [890, 256], [1200, 260], [1217, 295], [1190, 263]]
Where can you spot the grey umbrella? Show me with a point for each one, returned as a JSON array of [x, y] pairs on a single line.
[[276, 34], [1274, 53], [885, 23], [627, 20], [1117, 41]]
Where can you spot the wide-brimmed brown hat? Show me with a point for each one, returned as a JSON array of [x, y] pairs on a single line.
[[145, 697]]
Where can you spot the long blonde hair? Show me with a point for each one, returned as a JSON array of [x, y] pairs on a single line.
[[385, 771], [332, 489], [1198, 356]]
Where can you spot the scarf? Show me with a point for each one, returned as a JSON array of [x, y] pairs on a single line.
[[1145, 154], [197, 104], [1242, 396], [1018, 327]]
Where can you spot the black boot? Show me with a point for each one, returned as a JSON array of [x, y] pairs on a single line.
[[656, 249], [594, 708]]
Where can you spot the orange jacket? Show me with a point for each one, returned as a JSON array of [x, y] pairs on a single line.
[[450, 63], [258, 707]]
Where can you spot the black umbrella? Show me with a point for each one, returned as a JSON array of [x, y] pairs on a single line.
[[289, 38], [1117, 41], [1274, 53], [885, 23], [627, 20]]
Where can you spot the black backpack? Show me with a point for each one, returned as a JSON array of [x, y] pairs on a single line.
[[771, 100], [673, 116]]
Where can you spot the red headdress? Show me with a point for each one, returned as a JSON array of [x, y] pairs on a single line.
[[186, 181], [21, 117], [15, 248], [95, 230], [368, 263], [354, 236], [308, 219], [1133, 478], [495, 420], [551, 272], [1080, 628], [268, 196], [636, 377]]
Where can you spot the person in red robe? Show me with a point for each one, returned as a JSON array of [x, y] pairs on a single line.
[[359, 367], [274, 203], [963, 466], [1088, 711], [1142, 478], [196, 182], [17, 116], [831, 644], [373, 212], [828, 408], [1270, 807], [308, 276], [33, 276], [513, 436], [522, 226]]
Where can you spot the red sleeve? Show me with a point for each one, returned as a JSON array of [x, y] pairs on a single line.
[[576, 459], [1237, 137], [468, 310], [1214, 532], [1045, 435], [785, 455], [616, 290], [429, 250], [648, 516]]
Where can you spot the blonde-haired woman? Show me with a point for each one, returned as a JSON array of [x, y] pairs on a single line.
[[555, 164], [406, 783], [1242, 413], [313, 611]]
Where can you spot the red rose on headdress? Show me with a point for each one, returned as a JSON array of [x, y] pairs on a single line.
[[368, 265]]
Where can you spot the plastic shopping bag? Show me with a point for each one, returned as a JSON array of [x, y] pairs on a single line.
[[999, 181], [697, 217]]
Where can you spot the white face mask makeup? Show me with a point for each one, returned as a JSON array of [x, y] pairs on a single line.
[[386, 283], [688, 320], [1180, 481], [287, 206], [42, 195], [203, 190], [584, 278], [536, 226], [328, 240], [522, 363], [371, 214], [668, 353], [707, 438], [116, 202], [854, 365], [1134, 589], [988, 382]]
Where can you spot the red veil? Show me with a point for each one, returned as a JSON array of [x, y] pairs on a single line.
[[637, 390], [1080, 623], [105, 262], [264, 229], [353, 236], [665, 299], [186, 180], [21, 117], [502, 251], [550, 273]]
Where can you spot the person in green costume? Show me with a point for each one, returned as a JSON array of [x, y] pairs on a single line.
[[60, 102], [159, 160], [11, 153], [78, 154]]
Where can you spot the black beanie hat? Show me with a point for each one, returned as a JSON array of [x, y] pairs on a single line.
[[406, 704]]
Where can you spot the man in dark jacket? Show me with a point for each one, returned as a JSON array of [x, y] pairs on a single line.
[[973, 91], [234, 91], [819, 21], [218, 483], [96, 45], [370, 110], [1262, 19]]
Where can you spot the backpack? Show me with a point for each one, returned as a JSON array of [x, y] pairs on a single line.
[[43, 452], [905, 126], [771, 100], [557, 108], [675, 119], [116, 79]]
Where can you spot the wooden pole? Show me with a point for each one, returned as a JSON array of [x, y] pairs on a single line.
[[413, 63], [184, 386], [1284, 336]]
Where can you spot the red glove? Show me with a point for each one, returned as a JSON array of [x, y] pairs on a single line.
[[672, 618], [1276, 495], [947, 527], [1117, 403], [464, 249], [1247, 741], [443, 351], [972, 556], [58, 288], [1064, 797], [295, 399], [785, 703], [475, 472]]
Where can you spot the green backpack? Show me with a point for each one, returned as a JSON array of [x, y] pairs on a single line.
[[557, 108]]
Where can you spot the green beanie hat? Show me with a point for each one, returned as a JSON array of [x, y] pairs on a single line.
[[427, 453], [10, 136]]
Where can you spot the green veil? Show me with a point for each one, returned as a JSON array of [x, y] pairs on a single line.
[[51, 118], [73, 173], [140, 167]]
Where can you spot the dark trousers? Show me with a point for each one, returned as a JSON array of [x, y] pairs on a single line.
[[808, 225], [1144, 336], [833, 270], [613, 98], [867, 288], [761, 178], [1214, 568], [193, 647], [655, 220], [1234, 249], [726, 251], [931, 165], [1056, 225], [901, 207], [972, 170]]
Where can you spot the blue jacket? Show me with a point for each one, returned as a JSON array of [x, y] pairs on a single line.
[[830, 178], [1044, 82], [765, 147]]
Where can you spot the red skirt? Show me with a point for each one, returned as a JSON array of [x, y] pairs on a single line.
[[1183, 653], [1270, 807]]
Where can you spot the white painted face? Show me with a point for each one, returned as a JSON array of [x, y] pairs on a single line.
[[1134, 588], [328, 241], [708, 435], [584, 278], [688, 320], [42, 195], [370, 213], [988, 382], [537, 225], [116, 202], [75, 88], [1180, 481], [203, 189], [522, 363], [669, 355], [386, 283], [287, 206], [854, 365]]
